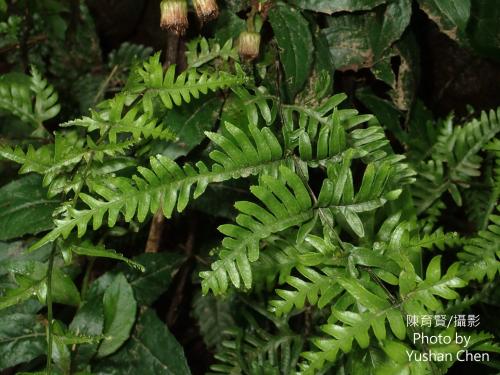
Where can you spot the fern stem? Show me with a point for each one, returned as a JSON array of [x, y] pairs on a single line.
[[86, 277], [105, 84], [49, 308]]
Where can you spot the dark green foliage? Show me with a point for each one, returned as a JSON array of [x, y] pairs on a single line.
[[262, 217]]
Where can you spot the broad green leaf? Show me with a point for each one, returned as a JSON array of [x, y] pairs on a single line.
[[451, 16], [119, 315], [24, 208], [323, 59], [404, 91], [383, 70], [151, 350], [333, 6], [14, 253], [237, 5], [359, 40], [159, 270], [189, 123], [387, 114], [484, 28], [228, 26], [31, 279], [61, 355], [89, 321], [22, 338], [291, 31], [64, 289], [392, 24]]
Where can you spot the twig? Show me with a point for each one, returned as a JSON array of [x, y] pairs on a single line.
[[49, 308], [171, 49], [183, 275], [158, 222], [155, 232], [30, 42], [86, 277], [104, 85]]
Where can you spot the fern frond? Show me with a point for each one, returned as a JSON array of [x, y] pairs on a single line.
[[200, 51], [455, 160], [153, 83], [240, 155], [353, 327], [479, 204], [481, 255], [282, 255], [31, 99], [494, 147], [169, 185], [128, 54], [418, 297], [255, 351], [55, 161], [110, 122], [465, 303], [88, 249], [287, 208], [256, 102], [287, 205], [317, 287], [214, 316], [408, 238], [46, 98]]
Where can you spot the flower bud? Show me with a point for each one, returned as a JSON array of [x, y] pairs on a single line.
[[249, 45], [174, 15], [206, 10]]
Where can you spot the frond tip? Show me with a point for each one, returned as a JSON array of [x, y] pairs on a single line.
[[152, 82]]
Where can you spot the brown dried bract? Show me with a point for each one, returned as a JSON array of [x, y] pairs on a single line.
[[249, 45], [174, 15], [206, 10]]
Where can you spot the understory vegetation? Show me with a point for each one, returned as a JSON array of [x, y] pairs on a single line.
[[249, 187]]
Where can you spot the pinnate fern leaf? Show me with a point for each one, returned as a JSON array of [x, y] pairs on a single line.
[[111, 122], [31, 99], [151, 82], [288, 204], [201, 51], [455, 160], [481, 255]]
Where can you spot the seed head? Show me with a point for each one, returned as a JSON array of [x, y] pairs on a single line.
[[174, 15], [249, 45]]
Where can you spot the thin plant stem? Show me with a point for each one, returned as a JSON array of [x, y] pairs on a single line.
[[49, 308]]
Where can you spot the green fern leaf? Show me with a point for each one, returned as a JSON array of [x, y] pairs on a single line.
[[287, 208], [481, 255], [31, 99], [110, 122], [200, 51], [88, 249], [153, 83], [455, 159]]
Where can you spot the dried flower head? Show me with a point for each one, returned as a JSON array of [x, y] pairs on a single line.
[[174, 15], [206, 10], [249, 45]]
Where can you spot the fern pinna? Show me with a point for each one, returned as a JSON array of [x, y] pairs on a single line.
[[337, 231]]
